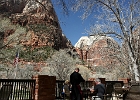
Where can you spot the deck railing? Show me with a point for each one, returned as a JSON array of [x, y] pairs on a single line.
[[24, 89], [17, 89], [84, 86]]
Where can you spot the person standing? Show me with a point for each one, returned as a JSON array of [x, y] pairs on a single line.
[[75, 80]]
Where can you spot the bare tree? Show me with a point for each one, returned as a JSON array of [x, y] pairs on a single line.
[[10, 35], [104, 56], [118, 19], [61, 64]]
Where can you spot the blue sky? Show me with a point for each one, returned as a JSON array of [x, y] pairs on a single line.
[[73, 26]]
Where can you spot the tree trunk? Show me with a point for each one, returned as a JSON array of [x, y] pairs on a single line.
[[136, 72]]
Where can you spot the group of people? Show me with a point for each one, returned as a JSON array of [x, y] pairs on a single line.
[[72, 89]]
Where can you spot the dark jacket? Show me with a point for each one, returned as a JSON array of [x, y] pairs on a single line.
[[76, 78], [100, 90]]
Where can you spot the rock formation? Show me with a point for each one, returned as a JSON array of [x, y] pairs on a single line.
[[97, 50], [32, 27], [40, 21]]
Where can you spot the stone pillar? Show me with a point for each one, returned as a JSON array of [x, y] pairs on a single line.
[[45, 87]]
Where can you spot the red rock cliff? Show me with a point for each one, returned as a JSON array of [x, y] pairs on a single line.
[[40, 20]]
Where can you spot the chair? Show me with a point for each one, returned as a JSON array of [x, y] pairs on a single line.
[[108, 92], [118, 90], [94, 95], [96, 98], [6, 91], [133, 93]]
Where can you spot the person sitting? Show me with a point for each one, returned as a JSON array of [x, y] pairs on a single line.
[[99, 89], [66, 90]]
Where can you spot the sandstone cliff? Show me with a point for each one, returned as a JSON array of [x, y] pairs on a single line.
[[97, 50], [32, 28], [39, 19]]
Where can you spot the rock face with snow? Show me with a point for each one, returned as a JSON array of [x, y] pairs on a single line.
[[97, 50]]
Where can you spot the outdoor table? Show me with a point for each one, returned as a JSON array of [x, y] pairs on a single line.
[[86, 93]]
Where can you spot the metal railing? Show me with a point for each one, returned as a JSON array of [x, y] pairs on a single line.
[[58, 89], [24, 89], [84, 86], [17, 89]]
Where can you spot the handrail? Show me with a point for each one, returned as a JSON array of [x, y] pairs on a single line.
[[21, 88]]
